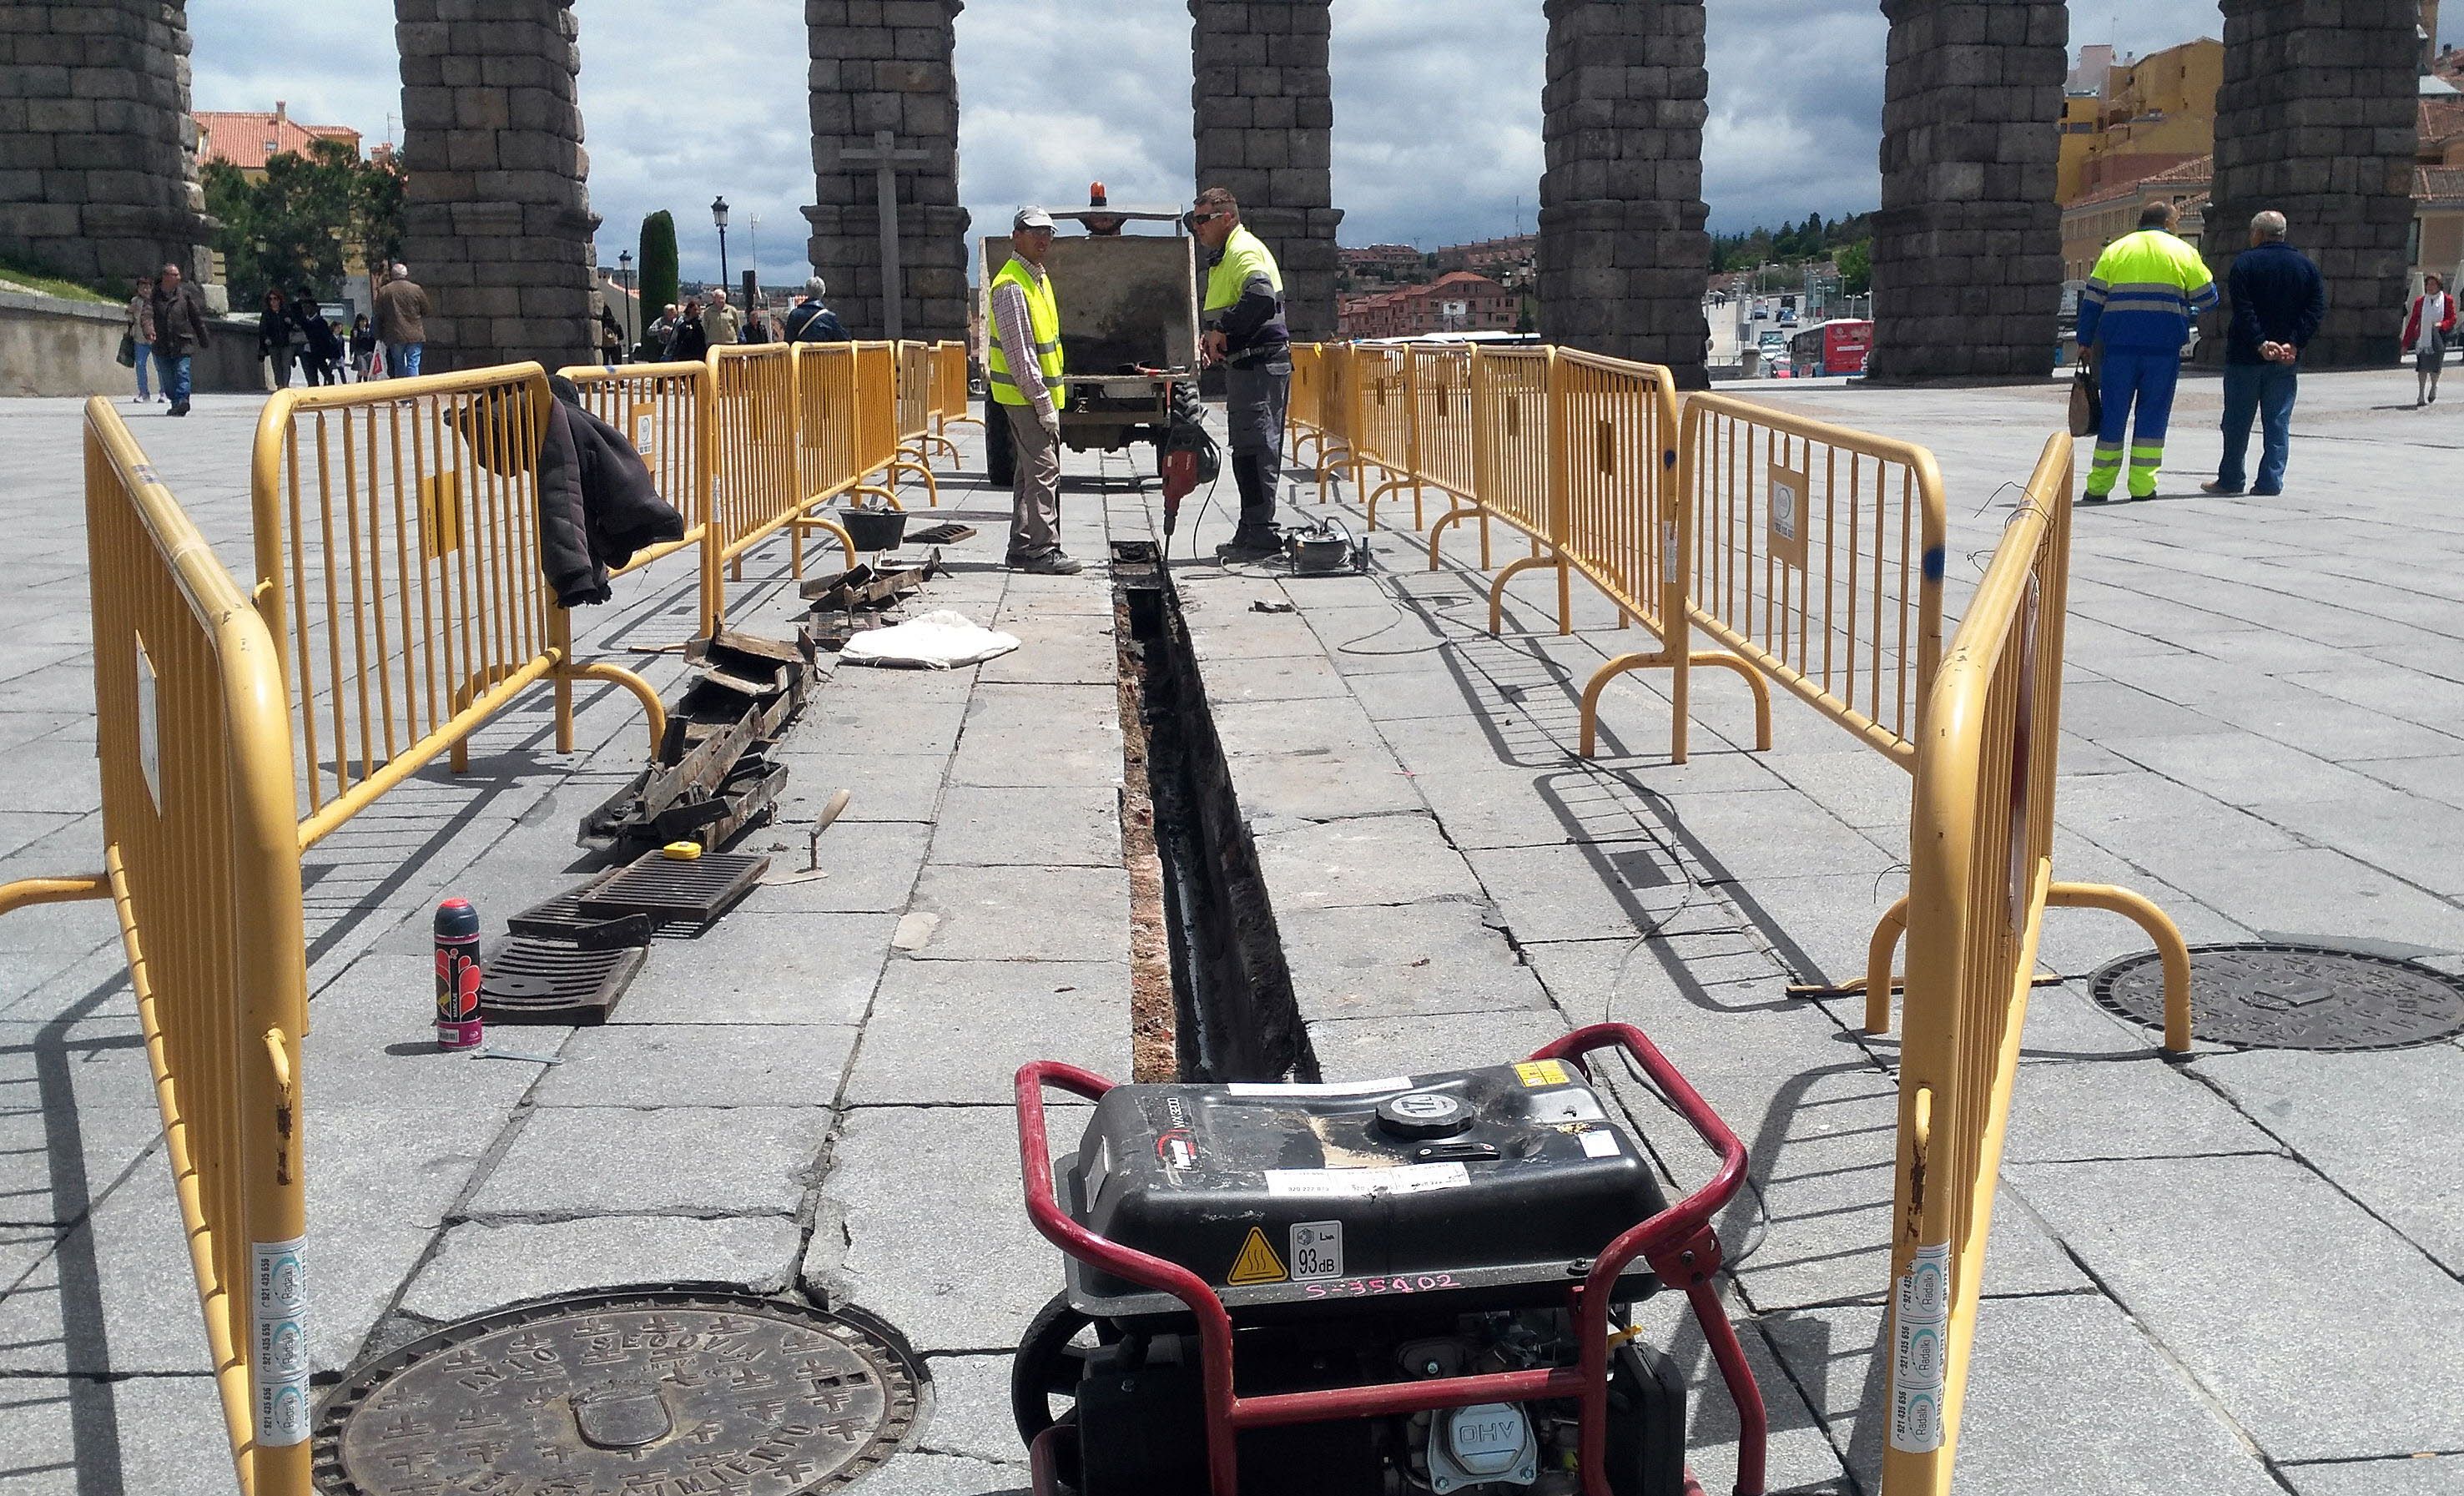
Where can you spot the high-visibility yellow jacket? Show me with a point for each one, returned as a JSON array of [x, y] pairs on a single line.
[[1044, 320], [1244, 298], [2144, 289]]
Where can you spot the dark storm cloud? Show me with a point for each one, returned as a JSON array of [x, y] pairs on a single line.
[[1437, 105]]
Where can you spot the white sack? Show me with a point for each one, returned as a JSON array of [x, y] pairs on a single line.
[[935, 641]]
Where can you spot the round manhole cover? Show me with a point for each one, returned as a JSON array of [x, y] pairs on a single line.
[[2292, 997], [654, 1390]]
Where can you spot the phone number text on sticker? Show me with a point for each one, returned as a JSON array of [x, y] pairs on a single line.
[[1373, 1288]]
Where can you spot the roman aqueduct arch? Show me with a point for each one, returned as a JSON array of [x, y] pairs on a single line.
[[2316, 117]]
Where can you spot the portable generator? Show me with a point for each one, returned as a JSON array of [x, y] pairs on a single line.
[[1411, 1286]]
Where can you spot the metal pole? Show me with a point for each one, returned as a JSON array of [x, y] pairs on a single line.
[[722, 257], [893, 279]]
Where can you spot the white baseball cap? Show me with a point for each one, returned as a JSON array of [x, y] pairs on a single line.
[[1030, 218]]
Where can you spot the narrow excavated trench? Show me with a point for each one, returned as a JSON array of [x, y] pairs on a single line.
[[1213, 999]]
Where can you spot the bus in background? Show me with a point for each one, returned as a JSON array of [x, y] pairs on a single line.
[[1837, 347]]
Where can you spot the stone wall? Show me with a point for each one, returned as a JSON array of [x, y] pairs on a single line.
[[52, 346], [1968, 262], [2316, 119], [97, 148], [1623, 255], [1262, 105], [887, 65], [497, 221]]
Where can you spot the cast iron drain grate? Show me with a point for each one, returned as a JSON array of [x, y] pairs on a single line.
[[650, 1390], [676, 888], [546, 981], [2291, 997]]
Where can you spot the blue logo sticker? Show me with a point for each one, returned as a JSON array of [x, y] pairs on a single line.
[[1933, 563]]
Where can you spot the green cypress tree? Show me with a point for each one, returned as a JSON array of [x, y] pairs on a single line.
[[658, 263]]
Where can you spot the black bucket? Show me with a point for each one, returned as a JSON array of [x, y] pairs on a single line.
[[875, 529]]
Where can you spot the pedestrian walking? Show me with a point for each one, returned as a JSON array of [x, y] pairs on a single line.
[[2425, 337], [141, 334], [811, 320], [1022, 363], [663, 332], [2278, 300], [179, 332], [611, 336], [757, 327], [718, 324], [278, 336], [403, 310], [320, 349], [2133, 319], [363, 346], [1246, 334], [690, 342]]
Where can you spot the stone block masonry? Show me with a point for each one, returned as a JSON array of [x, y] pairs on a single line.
[[1262, 106], [2316, 119], [97, 148], [887, 65], [1623, 254], [496, 218], [1968, 264]]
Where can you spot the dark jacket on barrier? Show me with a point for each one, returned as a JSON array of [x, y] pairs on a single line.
[[597, 502]]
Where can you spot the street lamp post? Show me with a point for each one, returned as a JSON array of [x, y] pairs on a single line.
[[718, 216], [632, 304]]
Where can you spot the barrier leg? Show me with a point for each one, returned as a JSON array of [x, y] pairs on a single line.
[[931, 486], [1879, 952], [2161, 928], [1497, 589], [26, 893], [830, 527], [880, 492], [1599, 683], [1391, 486], [1484, 561], [1725, 661], [1437, 529], [1565, 594], [1419, 495], [564, 688], [616, 675]]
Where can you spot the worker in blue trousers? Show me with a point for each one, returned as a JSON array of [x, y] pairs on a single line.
[[2135, 315]]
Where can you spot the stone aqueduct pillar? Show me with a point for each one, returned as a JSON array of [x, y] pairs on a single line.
[[1968, 262], [1263, 105], [887, 65], [97, 148], [2316, 119], [496, 222], [1623, 254]]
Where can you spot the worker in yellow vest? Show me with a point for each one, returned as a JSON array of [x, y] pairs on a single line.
[[1022, 365], [1246, 333]]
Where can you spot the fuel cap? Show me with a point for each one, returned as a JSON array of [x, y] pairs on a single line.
[[1423, 1113]]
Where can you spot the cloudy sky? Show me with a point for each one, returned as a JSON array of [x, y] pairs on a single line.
[[1437, 105]]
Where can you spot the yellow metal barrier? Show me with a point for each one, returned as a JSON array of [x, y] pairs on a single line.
[[1339, 411], [1382, 421], [1305, 401], [667, 411], [919, 373], [950, 397], [202, 849], [398, 570], [878, 423], [1980, 880]]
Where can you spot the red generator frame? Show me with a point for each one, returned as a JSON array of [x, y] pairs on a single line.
[[1678, 1243]]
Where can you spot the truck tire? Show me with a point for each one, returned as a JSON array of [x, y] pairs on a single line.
[[1001, 462]]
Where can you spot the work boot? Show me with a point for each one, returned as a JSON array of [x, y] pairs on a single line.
[[1248, 545], [1051, 564]]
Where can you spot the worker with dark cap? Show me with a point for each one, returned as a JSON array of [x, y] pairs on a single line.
[[1246, 333]]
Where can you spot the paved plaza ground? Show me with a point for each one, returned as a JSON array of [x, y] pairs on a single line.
[[2234, 1275]]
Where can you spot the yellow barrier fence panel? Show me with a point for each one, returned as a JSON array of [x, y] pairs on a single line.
[[1304, 411], [1817, 555], [826, 439], [758, 481], [949, 387], [1336, 411], [399, 569], [1381, 380], [911, 414], [667, 411], [876, 420], [201, 846], [1511, 456], [1981, 844]]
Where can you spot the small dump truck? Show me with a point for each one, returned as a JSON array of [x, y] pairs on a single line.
[[1129, 327]]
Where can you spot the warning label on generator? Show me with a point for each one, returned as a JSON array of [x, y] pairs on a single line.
[[1317, 1251], [1536, 1073], [1257, 1263]]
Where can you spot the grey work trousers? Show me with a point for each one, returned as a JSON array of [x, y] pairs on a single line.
[[1254, 398], [1034, 486]]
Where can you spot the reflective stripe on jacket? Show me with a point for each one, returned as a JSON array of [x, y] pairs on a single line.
[[2144, 289], [1043, 322], [1244, 297]]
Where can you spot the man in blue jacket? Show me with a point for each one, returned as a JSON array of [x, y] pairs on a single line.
[[2279, 300], [2136, 313]]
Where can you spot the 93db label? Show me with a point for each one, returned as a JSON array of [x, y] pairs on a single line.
[[1317, 1251]]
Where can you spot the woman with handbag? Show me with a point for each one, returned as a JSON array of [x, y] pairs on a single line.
[[137, 346], [2424, 337]]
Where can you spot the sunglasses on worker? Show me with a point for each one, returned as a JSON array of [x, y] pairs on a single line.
[[1197, 218]]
